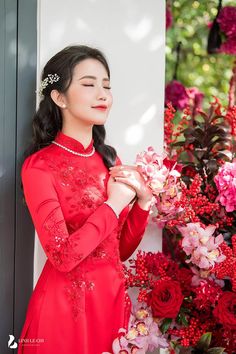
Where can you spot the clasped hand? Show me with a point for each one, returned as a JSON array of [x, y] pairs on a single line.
[[131, 176]]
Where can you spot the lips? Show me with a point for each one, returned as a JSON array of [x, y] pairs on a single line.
[[100, 107]]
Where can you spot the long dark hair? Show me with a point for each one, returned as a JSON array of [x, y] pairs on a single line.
[[47, 120]]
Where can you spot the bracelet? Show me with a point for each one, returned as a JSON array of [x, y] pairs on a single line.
[[112, 209]]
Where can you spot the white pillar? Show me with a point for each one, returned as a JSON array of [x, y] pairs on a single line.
[[131, 33]]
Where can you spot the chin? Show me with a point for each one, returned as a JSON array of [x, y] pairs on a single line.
[[99, 121]]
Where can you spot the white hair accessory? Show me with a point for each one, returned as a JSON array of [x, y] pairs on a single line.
[[50, 79]]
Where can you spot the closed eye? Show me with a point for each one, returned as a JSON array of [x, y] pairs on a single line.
[[91, 85]]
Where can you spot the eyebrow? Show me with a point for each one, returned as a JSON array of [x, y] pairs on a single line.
[[92, 77]]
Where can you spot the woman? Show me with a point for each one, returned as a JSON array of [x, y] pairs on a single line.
[[81, 211]]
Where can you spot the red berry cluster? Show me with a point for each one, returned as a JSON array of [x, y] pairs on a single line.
[[140, 277], [170, 132], [226, 338], [227, 268], [190, 335], [225, 221], [211, 192], [229, 341], [195, 204], [189, 171], [206, 295], [168, 124], [231, 118], [143, 295], [161, 266], [146, 269]]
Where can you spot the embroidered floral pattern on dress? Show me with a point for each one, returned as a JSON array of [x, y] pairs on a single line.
[[75, 291], [88, 191], [82, 286], [59, 247], [84, 192], [108, 251], [79, 280]]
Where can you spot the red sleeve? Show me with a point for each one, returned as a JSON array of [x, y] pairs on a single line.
[[65, 251], [132, 231], [133, 228]]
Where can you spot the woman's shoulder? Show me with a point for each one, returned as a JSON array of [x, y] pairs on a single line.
[[36, 160]]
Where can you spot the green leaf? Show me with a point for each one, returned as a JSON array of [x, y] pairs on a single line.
[[182, 319], [173, 344], [205, 341], [166, 324]]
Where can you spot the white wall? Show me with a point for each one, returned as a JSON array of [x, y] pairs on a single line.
[[132, 35]]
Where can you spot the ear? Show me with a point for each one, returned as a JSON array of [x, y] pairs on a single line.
[[58, 98]]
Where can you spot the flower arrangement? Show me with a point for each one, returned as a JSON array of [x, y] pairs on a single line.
[[186, 295], [182, 97], [227, 23], [222, 35]]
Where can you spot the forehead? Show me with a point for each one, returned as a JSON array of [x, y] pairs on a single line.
[[91, 67]]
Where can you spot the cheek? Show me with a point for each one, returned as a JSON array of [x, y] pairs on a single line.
[[110, 99]]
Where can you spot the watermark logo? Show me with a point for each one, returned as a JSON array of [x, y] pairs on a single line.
[[33, 342], [11, 343]]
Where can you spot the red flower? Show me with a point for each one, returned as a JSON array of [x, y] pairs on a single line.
[[184, 275], [225, 310], [195, 98], [166, 299], [176, 93], [169, 18], [229, 46], [227, 20]]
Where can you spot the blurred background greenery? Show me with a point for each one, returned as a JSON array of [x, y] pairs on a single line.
[[210, 73]]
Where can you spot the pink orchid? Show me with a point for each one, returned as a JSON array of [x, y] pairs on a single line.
[[162, 176], [157, 169], [201, 245], [202, 276], [151, 166], [226, 184], [166, 203], [143, 334]]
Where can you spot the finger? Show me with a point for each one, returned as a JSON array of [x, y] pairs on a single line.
[[132, 175], [122, 167], [126, 180], [120, 173]]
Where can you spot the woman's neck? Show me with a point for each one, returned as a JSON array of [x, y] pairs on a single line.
[[83, 134]]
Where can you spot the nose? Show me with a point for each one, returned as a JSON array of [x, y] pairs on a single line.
[[102, 94]]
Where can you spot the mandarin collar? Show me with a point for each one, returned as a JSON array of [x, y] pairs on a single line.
[[72, 143]]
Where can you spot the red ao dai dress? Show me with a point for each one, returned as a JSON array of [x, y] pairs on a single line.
[[79, 302]]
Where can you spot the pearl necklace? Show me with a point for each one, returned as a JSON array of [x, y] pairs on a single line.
[[74, 152]]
